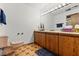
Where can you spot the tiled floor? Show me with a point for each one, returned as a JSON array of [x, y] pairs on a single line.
[[27, 50]]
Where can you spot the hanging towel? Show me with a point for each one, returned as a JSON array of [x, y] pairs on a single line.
[[2, 17]]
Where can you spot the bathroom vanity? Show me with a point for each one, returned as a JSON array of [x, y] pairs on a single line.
[[60, 43]]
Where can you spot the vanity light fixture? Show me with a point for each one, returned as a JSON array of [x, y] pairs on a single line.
[[63, 4], [60, 6], [57, 7]]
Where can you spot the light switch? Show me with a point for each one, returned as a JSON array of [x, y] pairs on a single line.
[[22, 33], [18, 33]]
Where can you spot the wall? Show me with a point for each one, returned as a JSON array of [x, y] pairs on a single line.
[[21, 19]]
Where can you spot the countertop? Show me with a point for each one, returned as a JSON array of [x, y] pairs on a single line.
[[48, 31]]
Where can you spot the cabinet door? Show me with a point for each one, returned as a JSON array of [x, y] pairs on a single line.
[[66, 45], [36, 37], [76, 46], [52, 42], [40, 38], [61, 45]]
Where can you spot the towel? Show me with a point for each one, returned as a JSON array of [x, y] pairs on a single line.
[[2, 17]]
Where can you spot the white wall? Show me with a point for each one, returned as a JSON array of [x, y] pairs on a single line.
[[21, 18]]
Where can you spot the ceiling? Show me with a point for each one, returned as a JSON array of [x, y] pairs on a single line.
[[38, 6], [43, 7]]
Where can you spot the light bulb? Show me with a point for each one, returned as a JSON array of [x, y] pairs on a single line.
[[59, 6], [55, 8], [64, 4]]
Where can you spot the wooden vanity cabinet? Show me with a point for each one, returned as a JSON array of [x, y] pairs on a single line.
[[63, 44]]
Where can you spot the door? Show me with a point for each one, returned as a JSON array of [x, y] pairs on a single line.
[[40, 38], [66, 45], [36, 37], [76, 46], [52, 42]]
